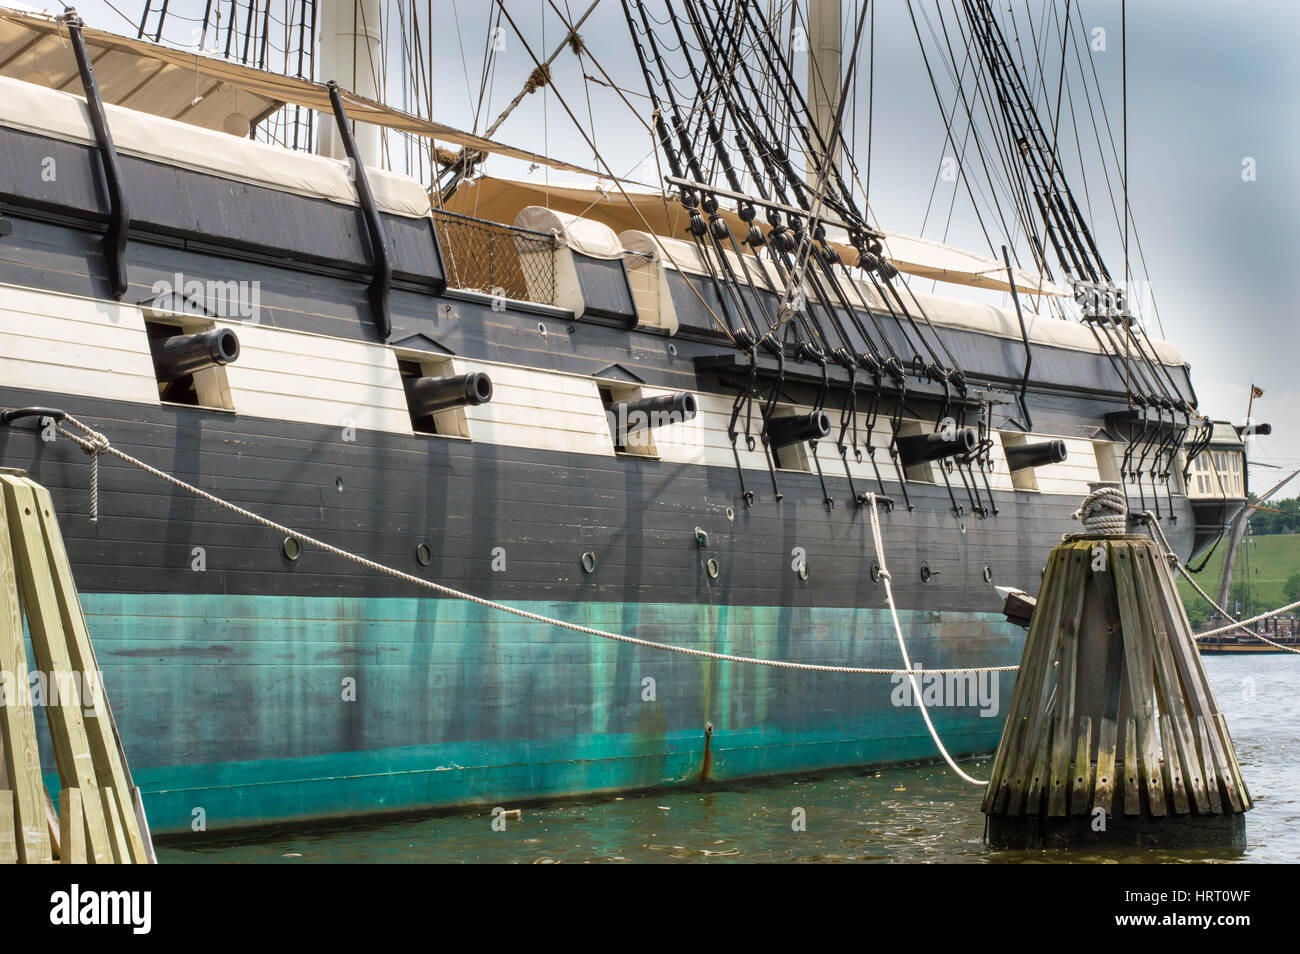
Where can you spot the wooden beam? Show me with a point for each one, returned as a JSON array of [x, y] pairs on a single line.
[[50, 646], [109, 764], [72, 827], [17, 723], [8, 829]]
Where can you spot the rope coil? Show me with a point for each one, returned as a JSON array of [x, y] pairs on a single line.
[[1104, 512]]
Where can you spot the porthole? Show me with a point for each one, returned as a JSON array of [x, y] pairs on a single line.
[[731, 513], [803, 571], [988, 573], [338, 484], [290, 549], [875, 572], [701, 537], [672, 350], [589, 562], [423, 555], [541, 329], [926, 573], [712, 567]]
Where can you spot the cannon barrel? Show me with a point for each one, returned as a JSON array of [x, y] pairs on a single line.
[[632, 416], [1021, 456], [431, 395], [179, 355], [793, 428], [923, 448]]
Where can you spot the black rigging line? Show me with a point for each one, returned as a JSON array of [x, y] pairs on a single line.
[[947, 125], [1003, 143], [877, 276], [740, 324], [1021, 119]]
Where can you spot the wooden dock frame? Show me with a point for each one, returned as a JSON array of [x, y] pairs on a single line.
[[100, 819], [1113, 735]]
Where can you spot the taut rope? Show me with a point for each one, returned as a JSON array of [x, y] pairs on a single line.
[[96, 443]]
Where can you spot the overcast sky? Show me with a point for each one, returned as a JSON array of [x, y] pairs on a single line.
[[1210, 85]]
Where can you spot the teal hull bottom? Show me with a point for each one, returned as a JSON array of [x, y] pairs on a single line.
[[240, 711]]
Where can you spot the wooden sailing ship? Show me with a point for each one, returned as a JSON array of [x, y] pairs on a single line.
[[444, 372]]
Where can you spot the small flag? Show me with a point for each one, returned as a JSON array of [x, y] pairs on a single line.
[[1256, 391]]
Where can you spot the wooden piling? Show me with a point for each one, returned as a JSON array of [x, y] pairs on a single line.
[[1113, 734], [99, 818]]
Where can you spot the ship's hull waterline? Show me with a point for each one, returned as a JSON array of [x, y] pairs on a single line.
[[239, 711]]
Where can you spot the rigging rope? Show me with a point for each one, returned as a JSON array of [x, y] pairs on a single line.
[[1154, 524], [95, 443]]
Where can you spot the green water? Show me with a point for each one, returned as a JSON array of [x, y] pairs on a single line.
[[905, 814]]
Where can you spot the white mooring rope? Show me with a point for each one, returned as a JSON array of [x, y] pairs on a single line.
[[95, 443], [1104, 512], [902, 645]]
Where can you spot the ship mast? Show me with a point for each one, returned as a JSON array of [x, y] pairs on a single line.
[[825, 68], [350, 54]]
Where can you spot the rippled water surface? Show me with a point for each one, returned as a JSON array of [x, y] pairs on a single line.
[[907, 814]]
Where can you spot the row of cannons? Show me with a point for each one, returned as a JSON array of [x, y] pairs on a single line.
[[180, 356]]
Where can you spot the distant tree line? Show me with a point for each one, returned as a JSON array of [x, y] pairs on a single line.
[[1266, 521], [1198, 613]]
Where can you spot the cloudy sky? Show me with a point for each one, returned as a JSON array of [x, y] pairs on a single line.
[[1212, 89]]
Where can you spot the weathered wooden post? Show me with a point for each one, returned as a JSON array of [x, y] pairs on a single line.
[[101, 817], [1113, 735]]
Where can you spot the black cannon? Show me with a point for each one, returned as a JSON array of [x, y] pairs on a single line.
[[628, 417], [923, 448], [1022, 456], [430, 395], [178, 355], [794, 428]]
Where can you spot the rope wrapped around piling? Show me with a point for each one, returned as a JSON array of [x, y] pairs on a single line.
[[1104, 512]]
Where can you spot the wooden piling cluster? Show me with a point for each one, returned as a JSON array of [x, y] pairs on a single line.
[[1113, 733], [100, 817]]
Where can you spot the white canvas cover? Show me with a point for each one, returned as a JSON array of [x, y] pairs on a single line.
[[585, 236], [49, 112], [940, 309], [163, 81]]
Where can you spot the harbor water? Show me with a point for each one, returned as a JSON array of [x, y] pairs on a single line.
[[902, 814]]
